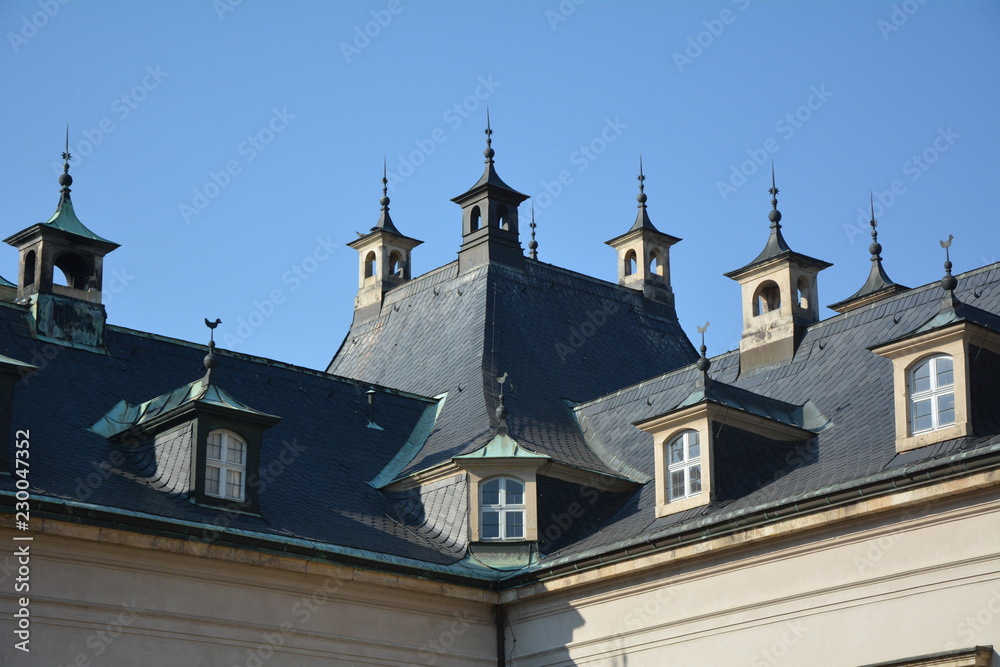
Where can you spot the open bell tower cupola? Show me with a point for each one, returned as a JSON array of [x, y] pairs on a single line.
[[489, 218], [644, 254], [780, 298], [66, 306], [383, 260]]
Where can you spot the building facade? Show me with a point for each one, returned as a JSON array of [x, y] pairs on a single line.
[[506, 463]]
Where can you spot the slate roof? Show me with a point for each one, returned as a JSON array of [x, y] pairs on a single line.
[[321, 498], [847, 383], [558, 335]]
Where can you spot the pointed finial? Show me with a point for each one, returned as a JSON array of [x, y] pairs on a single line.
[[210, 361], [489, 152], [533, 244], [875, 248], [703, 363], [501, 409], [641, 197], [949, 282], [65, 180], [384, 201], [775, 215]]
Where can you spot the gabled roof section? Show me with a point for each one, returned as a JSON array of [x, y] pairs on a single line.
[[805, 417]]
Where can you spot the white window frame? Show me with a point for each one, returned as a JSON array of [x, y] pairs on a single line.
[[935, 393], [502, 508], [231, 472], [687, 464]]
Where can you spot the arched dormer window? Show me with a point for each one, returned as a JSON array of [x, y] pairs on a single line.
[[931, 389], [502, 221], [29, 268], [767, 298], [474, 216], [74, 269], [370, 264], [225, 465], [684, 466], [501, 509], [395, 264], [655, 267], [630, 263], [802, 296]]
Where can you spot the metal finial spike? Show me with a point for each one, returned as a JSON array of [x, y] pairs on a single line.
[[703, 364], [642, 177], [533, 244], [874, 222], [774, 189], [384, 201], [66, 156], [489, 130]]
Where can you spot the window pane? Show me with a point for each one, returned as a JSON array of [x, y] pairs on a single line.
[[946, 409], [489, 526], [922, 415], [515, 524], [677, 450], [694, 449], [922, 377], [491, 492], [234, 484], [212, 480], [695, 479], [515, 492], [945, 376], [214, 450], [677, 484], [235, 451]]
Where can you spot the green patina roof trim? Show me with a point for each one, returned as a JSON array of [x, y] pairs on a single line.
[[806, 417], [125, 415], [501, 447], [413, 444]]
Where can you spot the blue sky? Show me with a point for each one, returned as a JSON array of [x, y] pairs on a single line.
[[233, 148]]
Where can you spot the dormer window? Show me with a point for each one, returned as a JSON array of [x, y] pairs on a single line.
[[501, 509], [225, 465], [932, 394], [684, 469]]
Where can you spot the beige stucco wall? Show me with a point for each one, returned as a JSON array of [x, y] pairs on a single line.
[[913, 581], [98, 603]]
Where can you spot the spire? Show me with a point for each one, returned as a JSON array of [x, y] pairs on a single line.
[[210, 362], [948, 282], [703, 364], [65, 180], [533, 244], [775, 215], [642, 220], [878, 285], [384, 220], [501, 409], [489, 152]]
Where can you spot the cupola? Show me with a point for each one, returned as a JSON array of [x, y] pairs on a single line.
[[780, 298]]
